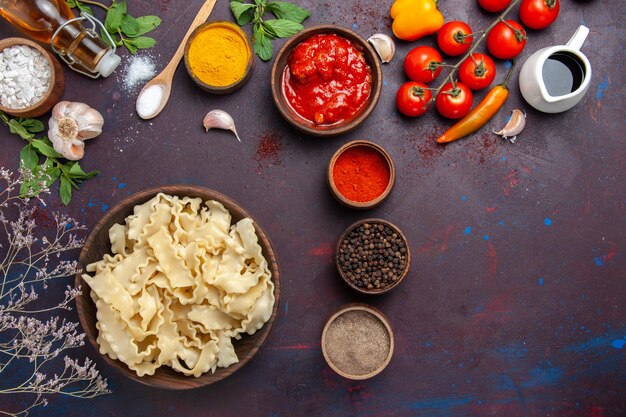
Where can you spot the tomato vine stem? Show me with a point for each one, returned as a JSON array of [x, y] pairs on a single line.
[[483, 35]]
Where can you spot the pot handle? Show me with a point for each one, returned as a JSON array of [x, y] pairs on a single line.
[[577, 40]]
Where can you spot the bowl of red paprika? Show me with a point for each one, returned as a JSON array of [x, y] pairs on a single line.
[[361, 174], [326, 80]]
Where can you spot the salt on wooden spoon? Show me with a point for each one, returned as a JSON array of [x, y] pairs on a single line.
[[155, 94]]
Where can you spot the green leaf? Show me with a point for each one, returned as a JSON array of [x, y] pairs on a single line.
[[147, 24], [242, 12], [65, 190], [282, 28], [115, 15], [76, 170], [130, 46], [53, 175], [85, 9], [141, 42], [262, 46], [16, 128], [32, 125], [45, 149], [28, 157], [284, 10], [77, 4], [129, 26], [77, 173], [261, 3]]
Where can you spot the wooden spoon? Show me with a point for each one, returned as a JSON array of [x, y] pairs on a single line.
[[163, 81]]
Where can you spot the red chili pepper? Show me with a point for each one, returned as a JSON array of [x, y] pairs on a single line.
[[480, 114]]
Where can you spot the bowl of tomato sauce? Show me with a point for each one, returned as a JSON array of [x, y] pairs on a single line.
[[326, 80]]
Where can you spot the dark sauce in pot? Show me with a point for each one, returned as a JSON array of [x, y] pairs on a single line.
[[562, 74]]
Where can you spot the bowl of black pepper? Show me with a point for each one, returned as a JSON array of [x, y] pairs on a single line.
[[373, 256]]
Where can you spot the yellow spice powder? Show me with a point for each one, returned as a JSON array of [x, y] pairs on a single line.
[[218, 56]]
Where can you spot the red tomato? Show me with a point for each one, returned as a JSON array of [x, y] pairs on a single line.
[[494, 5], [504, 42], [454, 103], [421, 64], [413, 99], [452, 38], [538, 14], [477, 73]]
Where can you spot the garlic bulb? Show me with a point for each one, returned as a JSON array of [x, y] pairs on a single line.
[[70, 125]]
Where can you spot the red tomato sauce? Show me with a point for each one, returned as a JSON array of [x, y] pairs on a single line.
[[326, 80]]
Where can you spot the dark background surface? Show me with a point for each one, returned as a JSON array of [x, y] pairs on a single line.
[[514, 305]]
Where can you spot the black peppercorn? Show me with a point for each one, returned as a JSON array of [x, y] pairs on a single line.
[[377, 256]]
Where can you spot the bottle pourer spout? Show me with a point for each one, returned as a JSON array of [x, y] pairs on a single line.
[[108, 63]]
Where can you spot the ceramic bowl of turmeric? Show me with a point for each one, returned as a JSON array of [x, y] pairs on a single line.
[[219, 57]]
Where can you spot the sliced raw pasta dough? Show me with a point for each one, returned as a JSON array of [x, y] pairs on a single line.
[[181, 283]]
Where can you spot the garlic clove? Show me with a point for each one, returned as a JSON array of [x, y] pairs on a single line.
[[90, 124], [219, 119], [58, 111], [384, 46], [74, 150], [514, 126]]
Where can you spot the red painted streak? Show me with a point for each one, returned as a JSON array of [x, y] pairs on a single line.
[[490, 209], [447, 232], [611, 254], [500, 305], [441, 235], [324, 249], [596, 412], [511, 180]]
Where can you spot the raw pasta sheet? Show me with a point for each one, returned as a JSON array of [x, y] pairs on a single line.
[[181, 283]]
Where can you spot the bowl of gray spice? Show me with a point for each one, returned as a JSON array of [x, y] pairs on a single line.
[[373, 256], [31, 79], [357, 342]]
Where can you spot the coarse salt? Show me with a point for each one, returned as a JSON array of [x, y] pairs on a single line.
[[138, 70], [25, 76], [149, 101]]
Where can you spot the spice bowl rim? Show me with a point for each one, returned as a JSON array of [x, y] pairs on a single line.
[[373, 291], [227, 89], [57, 81], [356, 204], [280, 63], [376, 313]]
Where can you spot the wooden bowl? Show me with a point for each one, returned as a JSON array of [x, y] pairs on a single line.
[[57, 82], [227, 89], [368, 309], [298, 121], [357, 204], [97, 244], [374, 291]]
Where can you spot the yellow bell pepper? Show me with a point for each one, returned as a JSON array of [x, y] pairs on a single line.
[[413, 19]]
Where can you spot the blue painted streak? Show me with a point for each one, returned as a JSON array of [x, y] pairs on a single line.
[[440, 403], [593, 344], [543, 375], [602, 87]]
